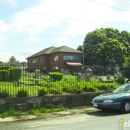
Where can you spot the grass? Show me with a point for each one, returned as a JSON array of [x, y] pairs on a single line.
[[36, 111], [68, 84], [11, 112], [39, 111], [12, 89], [33, 111]]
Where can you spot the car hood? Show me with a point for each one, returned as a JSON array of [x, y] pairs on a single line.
[[112, 95]]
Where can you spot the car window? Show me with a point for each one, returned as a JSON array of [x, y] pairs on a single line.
[[127, 88], [123, 88]]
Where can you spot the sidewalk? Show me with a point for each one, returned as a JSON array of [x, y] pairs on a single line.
[[46, 115]]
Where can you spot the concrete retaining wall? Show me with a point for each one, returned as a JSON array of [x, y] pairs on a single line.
[[27, 103]]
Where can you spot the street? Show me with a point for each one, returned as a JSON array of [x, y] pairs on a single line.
[[94, 120]]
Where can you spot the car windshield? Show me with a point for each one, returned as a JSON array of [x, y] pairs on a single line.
[[123, 88]]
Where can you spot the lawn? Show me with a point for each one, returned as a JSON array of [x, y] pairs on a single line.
[[68, 85]]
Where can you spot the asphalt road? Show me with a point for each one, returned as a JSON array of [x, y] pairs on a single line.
[[94, 120]]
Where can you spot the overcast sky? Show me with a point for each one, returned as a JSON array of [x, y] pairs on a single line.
[[28, 26]]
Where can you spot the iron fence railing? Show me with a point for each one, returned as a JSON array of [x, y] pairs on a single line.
[[34, 81]]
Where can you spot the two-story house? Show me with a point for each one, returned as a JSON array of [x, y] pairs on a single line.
[[59, 58]]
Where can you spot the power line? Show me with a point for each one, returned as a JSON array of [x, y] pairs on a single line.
[[122, 2], [107, 5], [48, 15], [64, 17]]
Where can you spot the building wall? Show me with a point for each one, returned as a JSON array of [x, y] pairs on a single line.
[[70, 68], [40, 62], [48, 62]]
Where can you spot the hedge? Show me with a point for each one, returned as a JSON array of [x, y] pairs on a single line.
[[4, 67], [14, 74], [4, 75], [56, 76]]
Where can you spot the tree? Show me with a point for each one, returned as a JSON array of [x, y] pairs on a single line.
[[12, 60], [106, 47], [91, 54], [126, 71], [112, 52], [80, 48]]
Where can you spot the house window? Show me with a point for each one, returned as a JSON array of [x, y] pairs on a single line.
[[33, 61], [70, 57], [40, 60], [55, 58]]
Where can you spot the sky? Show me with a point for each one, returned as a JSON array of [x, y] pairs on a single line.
[[33, 25]]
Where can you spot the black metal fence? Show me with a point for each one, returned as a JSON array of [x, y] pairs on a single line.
[[32, 81]]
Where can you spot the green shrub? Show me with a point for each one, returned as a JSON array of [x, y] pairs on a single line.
[[11, 112], [43, 83], [4, 94], [78, 90], [3, 75], [113, 86], [30, 70], [90, 89], [14, 74], [57, 76], [120, 80], [22, 93], [53, 90], [103, 86], [108, 81], [67, 89], [4, 67], [107, 86], [42, 92]]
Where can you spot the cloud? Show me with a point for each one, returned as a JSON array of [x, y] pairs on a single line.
[[31, 22], [2, 47], [64, 21], [11, 2], [20, 56], [2, 39], [26, 53], [32, 40], [79, 17], [29, 51], [63, 39], [3, 27], [2, 42], [4, 56]]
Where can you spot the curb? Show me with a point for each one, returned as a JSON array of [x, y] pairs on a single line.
[[46, 115]]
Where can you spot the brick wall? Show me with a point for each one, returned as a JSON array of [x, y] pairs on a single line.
[[49, 63]]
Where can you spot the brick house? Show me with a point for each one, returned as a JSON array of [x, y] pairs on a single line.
[[61, 58]]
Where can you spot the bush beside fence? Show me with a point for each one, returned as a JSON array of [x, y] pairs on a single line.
[[14, 80]]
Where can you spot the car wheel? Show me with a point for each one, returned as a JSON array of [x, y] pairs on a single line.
[[125, 106]]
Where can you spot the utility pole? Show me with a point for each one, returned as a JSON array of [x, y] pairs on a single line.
[[83, 53]]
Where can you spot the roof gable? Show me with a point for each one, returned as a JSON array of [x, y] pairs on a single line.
[[53, 49], [44, 51], [65, 49]]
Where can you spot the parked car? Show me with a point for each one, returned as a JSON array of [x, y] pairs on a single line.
[[118, 99]]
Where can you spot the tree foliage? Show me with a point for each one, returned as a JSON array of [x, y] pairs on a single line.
[[106, 47], [126, 65], [12, 60]]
